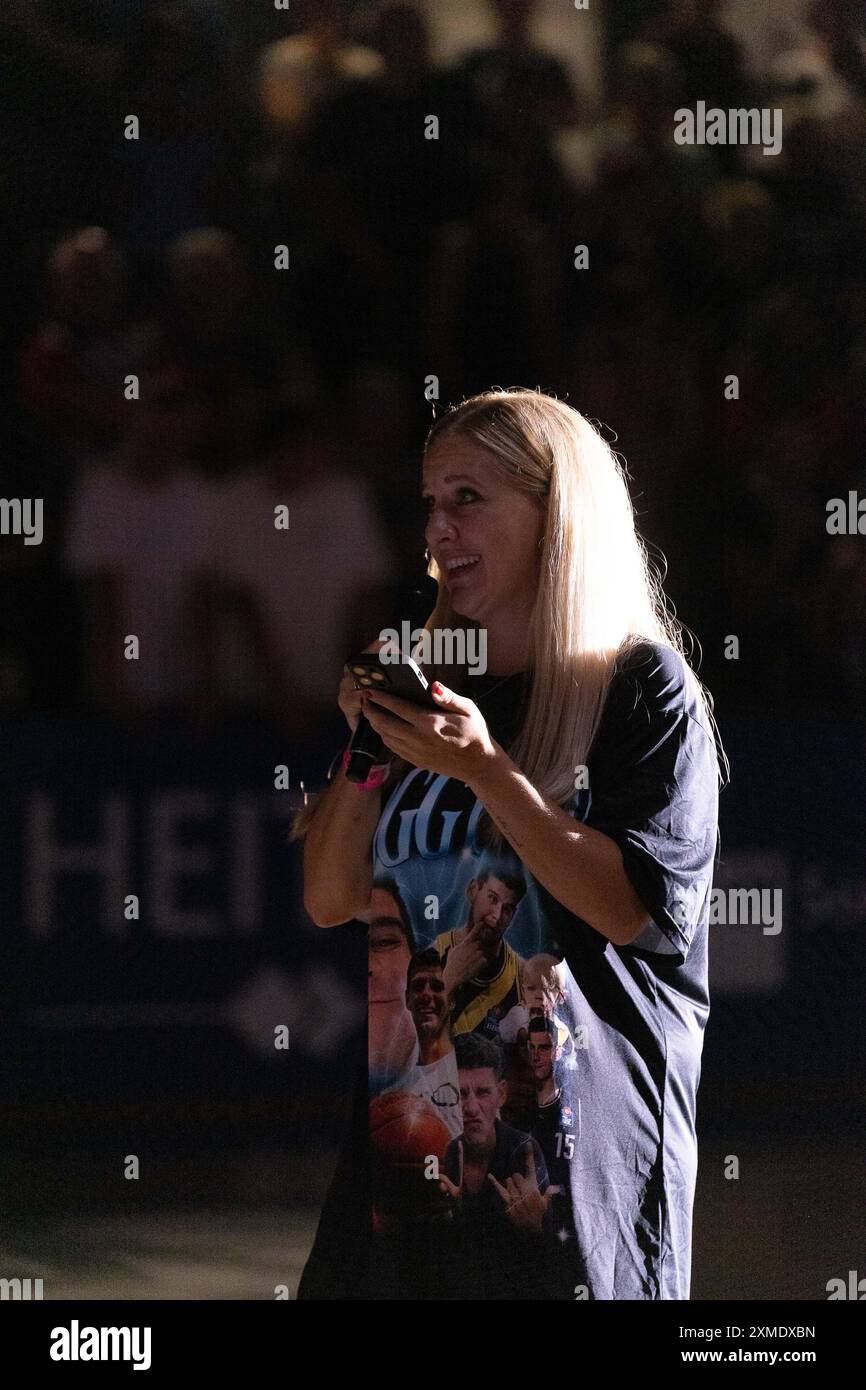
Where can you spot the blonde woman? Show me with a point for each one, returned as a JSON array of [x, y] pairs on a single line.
[[587, 759]]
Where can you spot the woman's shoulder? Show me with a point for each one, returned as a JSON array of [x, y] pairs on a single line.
[[650, 659], [657, 718], [653, 680], [654, 665]]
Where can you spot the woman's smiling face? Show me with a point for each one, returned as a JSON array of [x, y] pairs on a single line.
[[474, 515]]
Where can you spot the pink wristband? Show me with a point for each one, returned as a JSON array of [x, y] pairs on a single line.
[[376, 776]]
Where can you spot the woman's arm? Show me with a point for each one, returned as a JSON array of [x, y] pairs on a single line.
[[582, 868], [338, 836], [338, 866]]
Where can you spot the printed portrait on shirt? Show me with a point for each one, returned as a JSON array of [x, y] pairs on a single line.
[[482, 969], [391, 943]]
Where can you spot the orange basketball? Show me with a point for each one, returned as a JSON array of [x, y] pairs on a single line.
[[405, 1132]]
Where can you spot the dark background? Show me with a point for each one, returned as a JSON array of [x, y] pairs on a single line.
[[420, 271]]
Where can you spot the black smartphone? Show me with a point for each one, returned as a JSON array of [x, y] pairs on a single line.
[[403, 678]]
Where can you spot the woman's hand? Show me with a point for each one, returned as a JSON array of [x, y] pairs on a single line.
[[348, 697], [453, 740]]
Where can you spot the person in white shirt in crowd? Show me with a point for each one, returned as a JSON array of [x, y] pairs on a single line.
[[135, 537], [294, 540]]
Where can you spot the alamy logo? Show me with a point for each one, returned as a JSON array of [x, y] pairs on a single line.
[[734, 127], [22, 516], [76, 1343], [20, 1290], [854, 1289], [444, 646], [731, 907], [847, 517]]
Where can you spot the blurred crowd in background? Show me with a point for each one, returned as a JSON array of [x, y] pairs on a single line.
[[412, 258]]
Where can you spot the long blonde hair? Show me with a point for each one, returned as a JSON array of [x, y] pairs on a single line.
[[598, 595]]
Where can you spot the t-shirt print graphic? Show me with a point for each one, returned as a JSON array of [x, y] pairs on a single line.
[[478, 1185], [532, 1086]]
